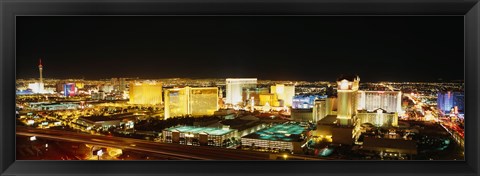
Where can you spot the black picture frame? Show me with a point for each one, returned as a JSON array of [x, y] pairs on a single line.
[[470, 9]]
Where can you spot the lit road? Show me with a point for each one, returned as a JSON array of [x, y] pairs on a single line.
[[452, 128], [174, 151]]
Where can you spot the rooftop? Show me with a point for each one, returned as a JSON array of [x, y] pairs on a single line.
[[289, 132], [389, 143], [348, 77], [109, 118], [197, 130], [241, 124]]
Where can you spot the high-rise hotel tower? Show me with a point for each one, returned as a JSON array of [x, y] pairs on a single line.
[[347, 103], [235, 88]]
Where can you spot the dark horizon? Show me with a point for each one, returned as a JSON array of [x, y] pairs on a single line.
[[389, 48]]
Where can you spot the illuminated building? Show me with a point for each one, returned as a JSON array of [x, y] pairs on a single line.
[[390, 147], [254, 94], [107, 88], [176, 102], [54, 106], [235, 88], [319, 109], [340, 128], [106, 122], [305, 101], [391, 101], [118, 84], [190, 135], [100, 95], [302, 115], [145, 93], [329, 128], [203, 101], [378, 118], [331, 106], [69, 89], [447, 101], [288, 136], [347, 99], [269, 98], [80, 85], [195, 101], [36, 87], [284, 92]]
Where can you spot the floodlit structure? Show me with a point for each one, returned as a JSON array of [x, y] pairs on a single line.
[[250, 94], [145, 93], [106, 122], [447, 101], [284, 92], [38, 87], [269, 98], [305, 101], [302, 115], [331, 106], [288, 136], [347, 99], [190, 135], [378, 118], [203, 100], [40, 69], [69, 89], [388, 100], [319, 109], [195, 101], [235, 88]]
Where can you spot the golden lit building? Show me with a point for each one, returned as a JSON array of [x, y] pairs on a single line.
[[203, 101], [250, 94], [284, 92], [378, 118], [145, 93], [331, 106], [235, 86], [347, 102], [176, 102], [269, 98], [319, 110], [80, 85], [195, 101]]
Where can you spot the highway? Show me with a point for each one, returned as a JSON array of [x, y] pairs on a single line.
[[452, 128], [174, 151]]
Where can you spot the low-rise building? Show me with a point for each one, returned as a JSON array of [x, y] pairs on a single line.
[[302, 115], [288, 136], [393, 146], [191, 135], [105, 122]]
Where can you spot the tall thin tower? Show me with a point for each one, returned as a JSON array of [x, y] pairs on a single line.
[[40, 69]]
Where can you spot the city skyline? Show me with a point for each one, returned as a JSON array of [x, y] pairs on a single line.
[[244, 88], [309, 49]]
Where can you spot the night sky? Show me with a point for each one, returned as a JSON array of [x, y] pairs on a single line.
[[388, 48]]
